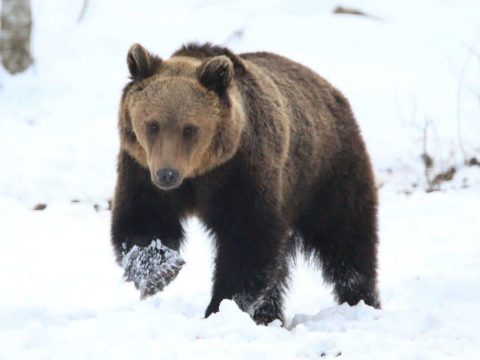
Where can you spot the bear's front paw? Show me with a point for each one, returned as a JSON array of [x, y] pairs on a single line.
[[263, 307], [151, 268]]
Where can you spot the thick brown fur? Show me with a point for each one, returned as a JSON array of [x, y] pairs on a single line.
[[276, 160]]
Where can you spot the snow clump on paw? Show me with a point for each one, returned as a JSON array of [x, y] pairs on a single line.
[[151, 268]]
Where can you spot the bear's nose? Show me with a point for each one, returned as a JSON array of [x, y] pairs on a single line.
[[167, 176]]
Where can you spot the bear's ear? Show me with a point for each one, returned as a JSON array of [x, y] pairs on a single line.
[[216, 73], [141, 63]]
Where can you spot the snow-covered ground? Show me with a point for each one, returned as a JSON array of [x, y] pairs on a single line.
[[411, 69]]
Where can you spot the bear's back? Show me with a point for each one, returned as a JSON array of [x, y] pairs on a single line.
[[317, 114]]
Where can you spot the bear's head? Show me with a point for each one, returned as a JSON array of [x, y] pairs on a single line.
[[180, 117]]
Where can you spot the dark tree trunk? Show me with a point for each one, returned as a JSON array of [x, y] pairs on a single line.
[[15, 31]]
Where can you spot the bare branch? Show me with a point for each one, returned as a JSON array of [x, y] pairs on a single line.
[[83, 10]]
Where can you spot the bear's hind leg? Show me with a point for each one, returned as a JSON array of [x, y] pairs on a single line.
[[339, 227]]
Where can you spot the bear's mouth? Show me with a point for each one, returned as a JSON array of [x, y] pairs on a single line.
[[169, 187]]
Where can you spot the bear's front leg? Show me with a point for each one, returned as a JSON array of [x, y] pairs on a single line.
[[248, 270], [250, 241], [146, 231]]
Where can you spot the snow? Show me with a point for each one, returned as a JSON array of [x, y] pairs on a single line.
[[409, 70]]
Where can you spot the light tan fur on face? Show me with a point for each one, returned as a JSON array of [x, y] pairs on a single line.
[[174, 98], [172, 104]]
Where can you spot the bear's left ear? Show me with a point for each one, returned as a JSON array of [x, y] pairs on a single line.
[[216, 73], [141, 63]]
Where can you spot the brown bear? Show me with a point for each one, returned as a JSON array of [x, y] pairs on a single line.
[[266, 153]]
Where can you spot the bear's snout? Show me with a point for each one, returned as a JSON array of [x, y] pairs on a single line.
[[167, 178]]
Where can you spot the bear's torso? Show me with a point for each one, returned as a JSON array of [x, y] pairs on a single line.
[[291, 138]]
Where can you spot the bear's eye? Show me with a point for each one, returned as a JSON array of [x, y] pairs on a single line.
[[152, 128], [189, 131]]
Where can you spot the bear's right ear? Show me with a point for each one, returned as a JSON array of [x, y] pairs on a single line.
[[141, 63]]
